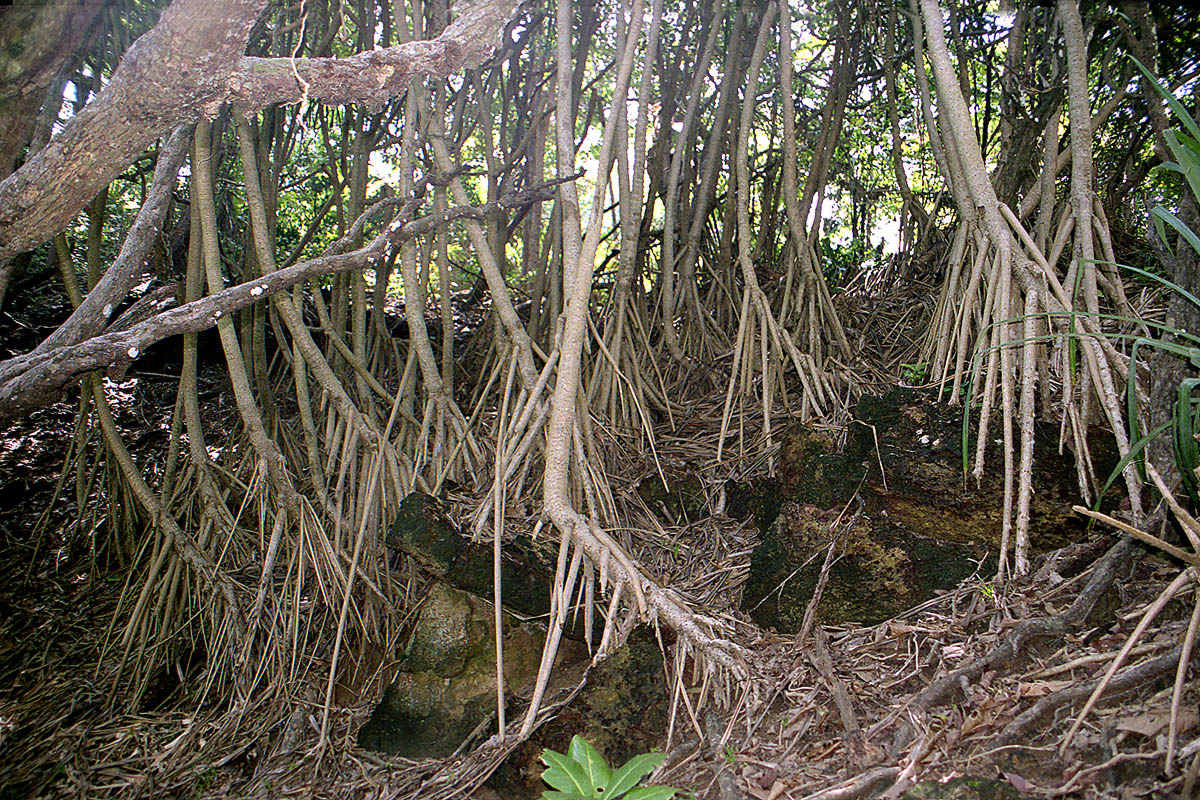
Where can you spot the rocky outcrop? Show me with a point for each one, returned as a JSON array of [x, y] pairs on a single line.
[[903, 518]]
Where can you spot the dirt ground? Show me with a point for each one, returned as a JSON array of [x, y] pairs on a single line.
[[982, 681]]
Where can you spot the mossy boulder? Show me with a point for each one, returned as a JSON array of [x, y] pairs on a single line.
[[422, 530], [924, 488], [622, 711], [877, 573], [810, 470], [446, 687], [909, 522]]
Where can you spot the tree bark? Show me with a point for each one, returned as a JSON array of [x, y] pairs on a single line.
[[92, 315], [40, 39], [171, 74]]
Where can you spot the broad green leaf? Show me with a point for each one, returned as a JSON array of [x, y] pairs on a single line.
[[565, 774], [551, 794], [1176, 106], [1188, 142], [632, 771], [1182, 147], [592, 764], [1178, 225], [652, 793]]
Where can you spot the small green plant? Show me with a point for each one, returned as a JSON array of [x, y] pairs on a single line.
[[914, 374], [582, 774]]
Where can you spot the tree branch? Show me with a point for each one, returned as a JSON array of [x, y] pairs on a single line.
[[30, 381], [179, 67], [97, 307], [190, 64]]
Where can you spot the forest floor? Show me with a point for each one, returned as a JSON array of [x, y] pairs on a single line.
[[982, 681]]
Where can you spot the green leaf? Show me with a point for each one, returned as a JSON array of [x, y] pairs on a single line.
[[551, 794], [1187, 451], [1176, 106], [566, 775], [1161, 231], [632, 771], [1174, 287], [593, 765], [1188, 142], [1178, 225], [1135, 451], [652, 793], [1183, 147]]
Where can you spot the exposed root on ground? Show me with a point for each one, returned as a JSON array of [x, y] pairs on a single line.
[[980, 681]]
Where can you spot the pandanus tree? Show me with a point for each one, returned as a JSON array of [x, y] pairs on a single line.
[[640, 197]]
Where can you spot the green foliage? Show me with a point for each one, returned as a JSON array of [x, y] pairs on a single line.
[[1185, 413], [844, 261], [914, 374], [583, 774], [988, 590]]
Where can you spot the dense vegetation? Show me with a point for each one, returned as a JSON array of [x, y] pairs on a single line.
[[518, 256]]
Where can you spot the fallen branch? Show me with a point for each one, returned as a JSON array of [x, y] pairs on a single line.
[[1128, 679], [941, 689]]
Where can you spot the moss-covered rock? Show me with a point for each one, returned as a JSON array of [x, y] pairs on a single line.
[[964, 788], [621, 711], [447, 684], [812, 471], [423, 531], [445, 688], [921, 524], [923, 487], [878, 572]]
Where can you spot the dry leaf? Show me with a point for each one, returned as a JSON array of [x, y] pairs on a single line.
[[1020, 784], [1041, 688], [1151, 723]]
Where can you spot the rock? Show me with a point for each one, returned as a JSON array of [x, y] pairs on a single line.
[[964, 788], [422, 531], [445, 688], [880, 571], [923, 487], [810, 471], [621, 711], [447, 685], [904, 533]]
